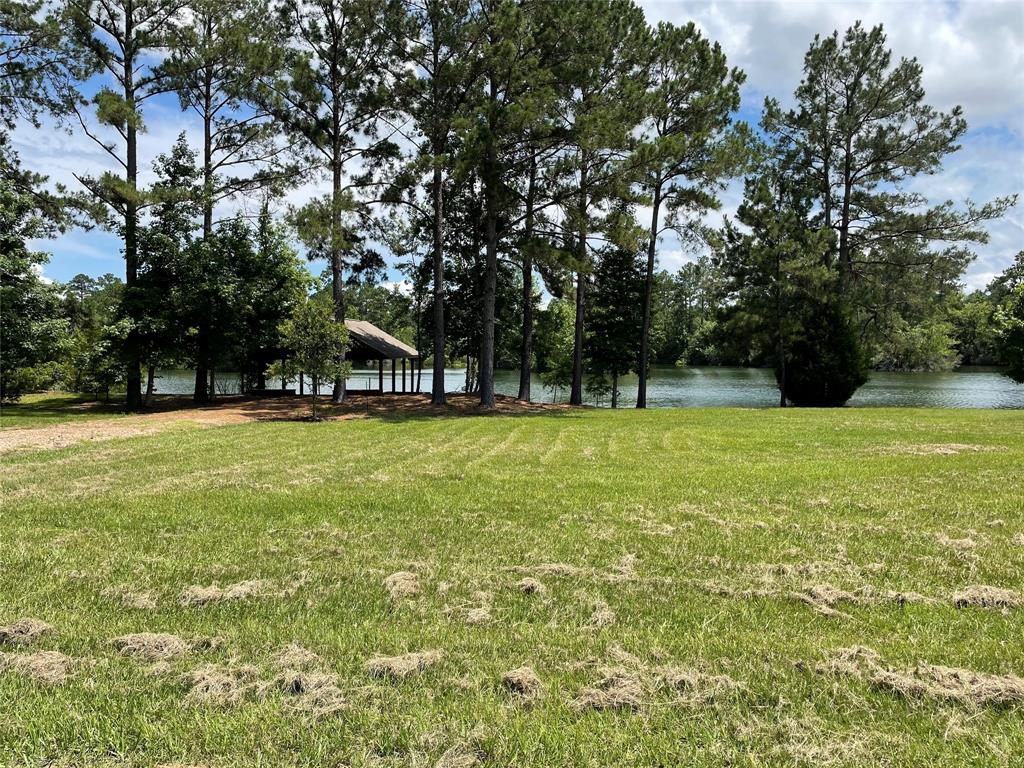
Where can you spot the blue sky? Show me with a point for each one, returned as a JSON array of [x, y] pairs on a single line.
[[972, 54]]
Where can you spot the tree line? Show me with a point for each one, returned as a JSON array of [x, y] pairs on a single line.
[[502, 151]]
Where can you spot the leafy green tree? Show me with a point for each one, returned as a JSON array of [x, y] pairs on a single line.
[[1009, 320], [442, 39], [614, 314], [861, 130], [554, 343], [39, 62], [33, 334], [779, 286], [601, 82], [690, 147], [121, 38], [824, 362], [318, 343], [218, 51], [336, 98], [973, 328]]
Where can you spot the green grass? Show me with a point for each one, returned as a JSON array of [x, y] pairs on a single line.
[[702, 498], [53, 408]]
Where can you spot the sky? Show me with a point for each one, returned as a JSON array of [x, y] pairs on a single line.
[[972, 54]]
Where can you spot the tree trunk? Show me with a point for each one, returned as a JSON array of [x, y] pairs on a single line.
[[437, 395], [576, 393], [200, 393], [337, 286], [645, 330], [615, 389], [150, 380], [486, 372], [316, 388], [526, 344], [213, 383], [133, 379]]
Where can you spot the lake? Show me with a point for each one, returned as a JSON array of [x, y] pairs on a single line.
[[711, 387]]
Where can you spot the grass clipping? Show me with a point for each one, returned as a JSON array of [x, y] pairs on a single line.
[[24, 631], [46, 667], [964, 686], [401, 667]]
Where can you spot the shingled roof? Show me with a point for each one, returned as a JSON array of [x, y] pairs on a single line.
[[377, 341]]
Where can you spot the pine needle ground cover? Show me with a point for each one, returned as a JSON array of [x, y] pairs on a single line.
[[583, 588]]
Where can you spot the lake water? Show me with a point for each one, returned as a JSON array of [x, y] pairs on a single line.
[[709, 387]]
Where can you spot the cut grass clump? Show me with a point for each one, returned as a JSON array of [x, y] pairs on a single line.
[[24, 631], [406, 665], [46, 667], [523, 682], [151, 646], [964, 686], [616, 689], [200, 595], [982, 596], [402, 585]]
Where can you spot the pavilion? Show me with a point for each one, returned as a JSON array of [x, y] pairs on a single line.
[[369, 343]]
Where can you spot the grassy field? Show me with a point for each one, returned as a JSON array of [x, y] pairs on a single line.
[[713, 587]]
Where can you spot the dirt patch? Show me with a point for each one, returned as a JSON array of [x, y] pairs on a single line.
[[151, 646], [530, 586], [55, 436], [616, 689], [402, 585], [982, 596], [523, 683], [199, 595], [406, 665], [46, 667], [24, 631], [926, 680]]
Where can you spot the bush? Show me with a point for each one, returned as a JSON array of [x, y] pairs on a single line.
[[825, 365]]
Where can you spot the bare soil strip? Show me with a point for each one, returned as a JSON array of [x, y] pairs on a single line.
[[240, 410]]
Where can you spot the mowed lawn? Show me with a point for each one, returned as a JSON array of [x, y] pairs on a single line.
[[686, 587]]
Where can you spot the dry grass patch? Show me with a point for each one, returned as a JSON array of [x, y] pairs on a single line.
[[696, 688], [402, 585], [24, 631], [603, 616], [215, 685], [523, 683], [932, 449], [46, 667], [982, 596], [616, 689], [406, 665], [151, 646], [530, 586], [823, 598], [964, 686], [550, 569], [198, 595], [140, 601]]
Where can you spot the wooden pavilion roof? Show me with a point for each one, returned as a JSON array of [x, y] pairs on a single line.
[[369, 341]]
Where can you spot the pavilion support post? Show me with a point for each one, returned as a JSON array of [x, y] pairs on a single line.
[[419, 373], [380, 375], [403, 375], [392, 375], [284, 380]]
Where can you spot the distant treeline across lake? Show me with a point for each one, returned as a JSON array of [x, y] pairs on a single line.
[[710, 387]]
